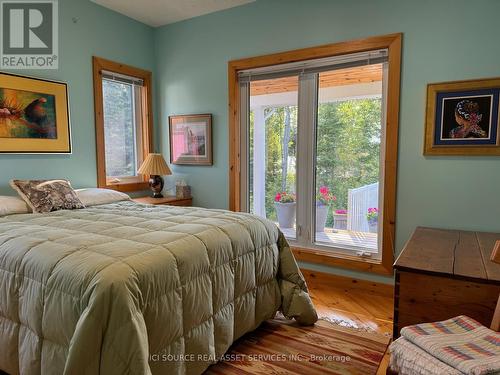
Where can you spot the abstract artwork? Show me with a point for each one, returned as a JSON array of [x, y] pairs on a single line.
[[25, 114], [34, 116]]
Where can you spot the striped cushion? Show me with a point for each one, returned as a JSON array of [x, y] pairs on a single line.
[[409, 359], [460, 342]]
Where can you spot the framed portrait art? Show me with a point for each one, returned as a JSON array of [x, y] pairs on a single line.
[[34, 116], [463, 118], [191, 139]]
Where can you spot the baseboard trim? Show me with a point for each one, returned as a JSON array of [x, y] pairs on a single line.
[[348, 283]]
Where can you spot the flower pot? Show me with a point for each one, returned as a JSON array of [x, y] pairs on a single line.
[[339, 221], [321, 215], [285, 213], [373, 226]]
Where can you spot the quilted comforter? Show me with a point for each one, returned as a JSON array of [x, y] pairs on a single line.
[[125, 288]]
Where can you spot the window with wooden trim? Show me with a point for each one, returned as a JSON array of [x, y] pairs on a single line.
[[313, 137], [122, 96]]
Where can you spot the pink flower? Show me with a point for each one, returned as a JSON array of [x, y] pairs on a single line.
[[324, 190], [341, 212], [334, 198], [277, 198]]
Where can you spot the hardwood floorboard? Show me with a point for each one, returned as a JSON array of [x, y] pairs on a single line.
[[359, 304], [341, 238]]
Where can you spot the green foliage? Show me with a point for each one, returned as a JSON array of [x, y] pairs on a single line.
[[348, 147], [275, 129], [119, 128]]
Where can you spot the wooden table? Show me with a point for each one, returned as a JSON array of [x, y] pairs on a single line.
[[168, 200], [444, 273]]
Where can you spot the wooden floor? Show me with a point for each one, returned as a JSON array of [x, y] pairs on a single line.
[[355, 303], [341, 238]]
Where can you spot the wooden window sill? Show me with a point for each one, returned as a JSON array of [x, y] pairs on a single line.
[[343, 261], [128, 187]]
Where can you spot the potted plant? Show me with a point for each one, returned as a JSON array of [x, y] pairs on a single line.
[[372, 217], [284, 203], [340, 219], [324, 199]]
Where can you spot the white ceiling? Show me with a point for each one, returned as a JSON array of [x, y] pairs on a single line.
[[162, 12]]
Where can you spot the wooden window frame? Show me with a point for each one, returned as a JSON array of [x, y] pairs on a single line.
[[100, 64], [391, 42]]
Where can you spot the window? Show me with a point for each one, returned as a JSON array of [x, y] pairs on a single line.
[[123, 125], [315, 149], [349, 111], [273, 150]]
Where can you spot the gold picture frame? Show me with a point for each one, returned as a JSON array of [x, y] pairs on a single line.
[[190, 138], [463, 118], [34, 116]]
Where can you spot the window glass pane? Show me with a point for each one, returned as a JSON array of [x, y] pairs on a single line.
[[348, 158], [273, 140], [119, 128]]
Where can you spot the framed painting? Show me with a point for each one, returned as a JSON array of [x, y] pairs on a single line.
[[34, 116], [191, 139], [463, 118]]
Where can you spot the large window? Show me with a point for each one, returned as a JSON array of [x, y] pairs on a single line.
[[349, 114], [122, 101], [316, 151], [273, 150]]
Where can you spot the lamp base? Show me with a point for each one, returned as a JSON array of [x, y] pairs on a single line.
[[156, 184]]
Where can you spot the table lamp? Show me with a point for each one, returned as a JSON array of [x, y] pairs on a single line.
[[155, 166], [495, 257]]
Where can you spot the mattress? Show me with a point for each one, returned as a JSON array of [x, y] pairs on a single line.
[[125, 288]]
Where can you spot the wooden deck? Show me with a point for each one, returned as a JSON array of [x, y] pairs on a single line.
[[342, 238]]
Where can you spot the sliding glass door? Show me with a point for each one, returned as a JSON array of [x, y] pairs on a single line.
[[312, 135], [272, 151], [347, 158]]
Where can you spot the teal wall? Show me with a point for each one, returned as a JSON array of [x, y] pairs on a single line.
[[99, 32], [444, 40]]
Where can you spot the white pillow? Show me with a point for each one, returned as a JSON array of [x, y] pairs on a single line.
[[12, 205], [95, 196]]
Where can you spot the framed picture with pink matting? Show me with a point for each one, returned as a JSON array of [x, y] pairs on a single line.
[[191, 139]]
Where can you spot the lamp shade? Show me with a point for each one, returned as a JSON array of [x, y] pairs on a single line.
[[154, 165]]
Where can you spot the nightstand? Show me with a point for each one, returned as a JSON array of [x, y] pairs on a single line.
[[168, 200]]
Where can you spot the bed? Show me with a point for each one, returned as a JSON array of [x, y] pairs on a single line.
[[127, 288]]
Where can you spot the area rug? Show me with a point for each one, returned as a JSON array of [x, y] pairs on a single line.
[[281, 347]]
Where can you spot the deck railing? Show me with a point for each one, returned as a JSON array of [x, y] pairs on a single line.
[[359, 200]]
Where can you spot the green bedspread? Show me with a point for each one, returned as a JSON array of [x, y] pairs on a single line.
[[125, 288]]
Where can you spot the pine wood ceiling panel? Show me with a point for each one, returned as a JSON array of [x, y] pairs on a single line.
[[341, 77]]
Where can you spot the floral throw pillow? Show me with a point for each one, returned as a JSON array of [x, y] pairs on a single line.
[[47, 195]]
